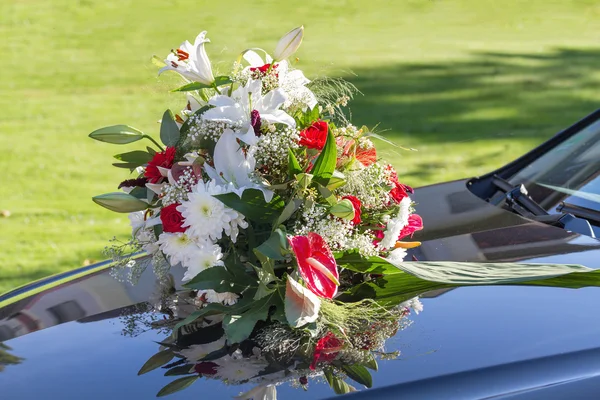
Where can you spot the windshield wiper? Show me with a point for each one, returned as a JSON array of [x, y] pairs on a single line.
[[578, 211], [518, 199], [572, 218]]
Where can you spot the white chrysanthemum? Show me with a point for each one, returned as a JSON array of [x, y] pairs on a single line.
[[198, 351], [395, 225], [235, 368], [177, 246], [207, 217], [397, 255], [202, 257], [226, 298]]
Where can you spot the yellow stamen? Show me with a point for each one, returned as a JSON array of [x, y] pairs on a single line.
[[323, 269], [407, 245]]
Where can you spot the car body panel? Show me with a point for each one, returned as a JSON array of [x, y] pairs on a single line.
[[76, 341]]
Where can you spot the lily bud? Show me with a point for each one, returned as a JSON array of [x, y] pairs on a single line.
[[289, 43], [343, 209]]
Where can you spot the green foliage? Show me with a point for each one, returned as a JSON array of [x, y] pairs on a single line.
[[253, 206], [169, 131], [177, 385], [325, 163], [156, 361]]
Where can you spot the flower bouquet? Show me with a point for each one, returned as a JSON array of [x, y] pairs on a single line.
[[288, 226]]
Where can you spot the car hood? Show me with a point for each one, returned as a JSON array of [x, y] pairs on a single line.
[[87, 335]]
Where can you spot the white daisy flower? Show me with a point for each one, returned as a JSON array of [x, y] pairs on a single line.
[[201, 258], [226, 298], [235, 368], [414, 304], [207, 217], [177, 246], [397, 255], [395, 225]]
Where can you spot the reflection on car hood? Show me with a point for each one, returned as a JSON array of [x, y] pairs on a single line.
[[71, 341]]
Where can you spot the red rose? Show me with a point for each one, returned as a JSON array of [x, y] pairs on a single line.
[[399, 190], [327, 349], [162, 159], [315, 136], [171, 219], [356, 204]]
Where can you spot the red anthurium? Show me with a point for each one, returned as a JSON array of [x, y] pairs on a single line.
[[162, 159], [326, 350], [316, 264], [415, 223]]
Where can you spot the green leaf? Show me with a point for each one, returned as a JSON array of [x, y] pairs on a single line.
[[169, 131], [353, 261], [120, 202], [343, 209], [192, 86], [470, 273], [156, 361], [177, 385], [180, 370], [359, 374], [293, 164], [220, 280], [288, 211], [139, 192], [239, 326], [337, 384], [325, 163], [210, 309], [222, 80], [371, 363], [117, 134], [136, 157], [130, 166], [272, 246], [253, 206], [328, 195]]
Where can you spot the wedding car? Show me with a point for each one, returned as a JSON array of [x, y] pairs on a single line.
[[85, 334]]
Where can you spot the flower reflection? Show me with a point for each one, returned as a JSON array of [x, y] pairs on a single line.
[[275, 353]]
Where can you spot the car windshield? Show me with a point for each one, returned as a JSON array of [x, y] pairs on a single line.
[[567, 173]]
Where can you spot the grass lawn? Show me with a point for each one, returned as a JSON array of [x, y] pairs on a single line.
[[471, 84]]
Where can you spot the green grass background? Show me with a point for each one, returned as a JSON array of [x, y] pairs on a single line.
[[471, 84]]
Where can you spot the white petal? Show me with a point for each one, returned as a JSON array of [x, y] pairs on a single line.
[[253, 59]]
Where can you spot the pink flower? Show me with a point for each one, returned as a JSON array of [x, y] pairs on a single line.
[[316, 264], [415, 223]]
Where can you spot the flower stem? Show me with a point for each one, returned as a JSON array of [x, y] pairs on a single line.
[[155, 142]]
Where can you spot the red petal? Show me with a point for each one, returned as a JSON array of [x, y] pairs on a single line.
[[314, 246], [415, 223]]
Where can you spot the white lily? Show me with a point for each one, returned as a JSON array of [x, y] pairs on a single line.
[[292, 81], [234, 168], [191, 61], [268, 392], [289, 43], [237, 109]]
